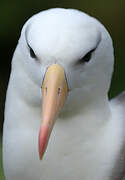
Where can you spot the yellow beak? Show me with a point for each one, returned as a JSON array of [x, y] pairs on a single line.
[[54, 93]]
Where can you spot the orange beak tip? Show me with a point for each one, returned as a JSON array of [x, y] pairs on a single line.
[[43, 139]]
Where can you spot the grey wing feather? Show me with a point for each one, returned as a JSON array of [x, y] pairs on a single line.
[[120, 99], [118, 172]]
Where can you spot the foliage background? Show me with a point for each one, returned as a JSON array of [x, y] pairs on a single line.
[[14, 13]]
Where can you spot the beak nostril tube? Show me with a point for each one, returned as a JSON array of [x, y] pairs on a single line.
[[59, 91]]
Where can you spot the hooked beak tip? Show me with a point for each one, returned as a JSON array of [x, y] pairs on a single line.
[[43, 139]]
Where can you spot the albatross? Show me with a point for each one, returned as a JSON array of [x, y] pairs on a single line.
[[59, 123]]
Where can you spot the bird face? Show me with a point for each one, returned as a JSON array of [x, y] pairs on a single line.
[[62, 50]]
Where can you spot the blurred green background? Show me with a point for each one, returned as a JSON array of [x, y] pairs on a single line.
[[14, 13]]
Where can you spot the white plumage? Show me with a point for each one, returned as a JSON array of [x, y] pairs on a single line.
[[88, 135]]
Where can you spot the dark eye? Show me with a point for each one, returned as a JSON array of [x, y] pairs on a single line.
[[32, 54], [86, 58]]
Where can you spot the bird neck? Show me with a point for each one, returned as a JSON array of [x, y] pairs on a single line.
[[89, 111]]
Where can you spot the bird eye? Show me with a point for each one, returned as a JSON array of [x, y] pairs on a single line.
[[32, 54], [86, 58]]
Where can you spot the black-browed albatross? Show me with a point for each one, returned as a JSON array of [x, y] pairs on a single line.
[[62, 66]]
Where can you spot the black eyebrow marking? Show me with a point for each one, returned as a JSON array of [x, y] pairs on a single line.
[[87, 57]]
